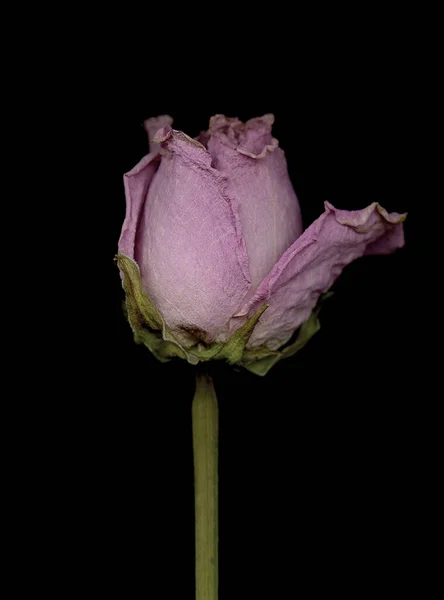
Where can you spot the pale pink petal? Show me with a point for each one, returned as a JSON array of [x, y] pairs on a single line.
[[189, 246], [311, 265], [136, 184], [258, 179]]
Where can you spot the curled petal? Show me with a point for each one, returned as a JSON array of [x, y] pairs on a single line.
[[311, 265], [153, 125], [189, 247], [257, 177], [252, 138], [136, 182]]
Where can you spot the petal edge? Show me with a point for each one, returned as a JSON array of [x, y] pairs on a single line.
[[311, 265]]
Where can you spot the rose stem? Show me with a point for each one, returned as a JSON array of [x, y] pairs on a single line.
[[205, 434]]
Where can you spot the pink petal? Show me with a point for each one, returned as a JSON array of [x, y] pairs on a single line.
[[252, 138], [136, 184], [258, 179], [153, 125], [189, 247], [311, 265]]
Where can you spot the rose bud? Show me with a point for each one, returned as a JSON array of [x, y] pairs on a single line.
[[214, 259]]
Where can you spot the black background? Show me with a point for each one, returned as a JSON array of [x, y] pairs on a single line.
[[319, 469]]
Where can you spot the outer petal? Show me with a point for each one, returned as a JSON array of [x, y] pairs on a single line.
[[189, 247], [136, 184], [311, 265], [258, 179]]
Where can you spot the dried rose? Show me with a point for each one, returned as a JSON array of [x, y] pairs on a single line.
[[214, 258]]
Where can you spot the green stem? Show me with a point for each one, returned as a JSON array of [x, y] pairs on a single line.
[[205, 434]]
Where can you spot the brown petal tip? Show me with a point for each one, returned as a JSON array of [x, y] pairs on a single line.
[[359, 218]]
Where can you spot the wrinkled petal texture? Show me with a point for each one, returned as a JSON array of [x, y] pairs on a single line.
[[136, 183], [311, 265], [258, 179], [189, 246]]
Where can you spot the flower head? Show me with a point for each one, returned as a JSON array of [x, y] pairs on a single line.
[[213, 254]]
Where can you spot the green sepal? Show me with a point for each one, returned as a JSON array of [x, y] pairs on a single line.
[[149, 329], [204, 352], [163, 350], [261, 359], [140, 309], [234, 347], [146, 322]]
